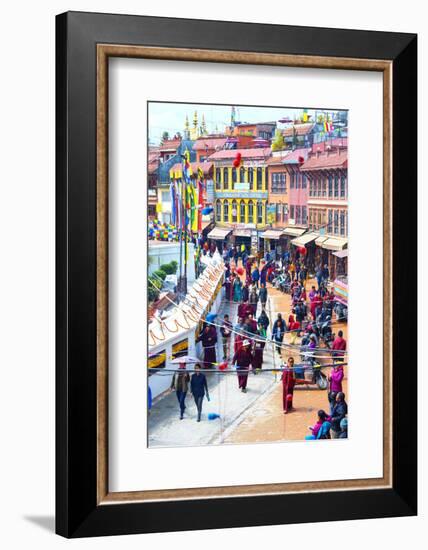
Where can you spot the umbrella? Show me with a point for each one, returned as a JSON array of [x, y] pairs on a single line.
[[185, 359]]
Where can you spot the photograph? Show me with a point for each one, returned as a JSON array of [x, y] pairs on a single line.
[[247, 274]]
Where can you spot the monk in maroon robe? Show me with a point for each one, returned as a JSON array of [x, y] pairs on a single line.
[[209, 343], [243, 359]]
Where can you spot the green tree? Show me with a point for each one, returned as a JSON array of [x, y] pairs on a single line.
[[165, 137], [278, 143]]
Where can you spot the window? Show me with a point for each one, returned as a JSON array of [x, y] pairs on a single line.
[[242, 211], [241, 174], [324, 187], [292, 212], [166, 196], [217, 178], [330, 222], [297, 181], [250, 177], [304, 215], [298, 215], [218, 210], [292, 180], [234, 177], [330, 187], [311, 188], [336, 187], [342, 223], [259, 212], [226, 211], [250, 212], [278, 212], [226, 178], [342, 187], [284, 212], [304, 184], [336, 222], [234, 211], [259, 179], [278, 183]]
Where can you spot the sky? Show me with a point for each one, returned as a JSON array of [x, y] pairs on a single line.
[[170, 117]]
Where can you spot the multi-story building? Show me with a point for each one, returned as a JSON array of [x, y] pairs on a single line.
[[299, 135], [152, 181], [205, 146], [241, 194], [327, 173], [170, 153]]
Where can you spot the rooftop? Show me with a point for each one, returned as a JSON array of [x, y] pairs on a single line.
[[335, 158]]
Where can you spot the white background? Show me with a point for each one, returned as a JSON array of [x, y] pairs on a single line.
[[27, 274], [361, 93]]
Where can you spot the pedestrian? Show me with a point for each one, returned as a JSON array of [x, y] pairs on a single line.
[[263, 275], [319, 276], [226, 334], [263, 295], [278, 332], [340, 410], [288, 382], [259, 346], [245, 309], [253, 299], [255, 276], [237, 290], [263, 320], [293, 327], [243, 359], [339, 347], [325, 274], [209, 343], [245, 293], [292, 270], [180, 383], [199, 388]]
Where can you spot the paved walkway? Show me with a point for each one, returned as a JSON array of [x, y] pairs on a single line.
[[167, 430], [267, 422]]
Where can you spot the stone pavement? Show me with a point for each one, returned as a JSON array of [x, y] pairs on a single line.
[[165, 429]]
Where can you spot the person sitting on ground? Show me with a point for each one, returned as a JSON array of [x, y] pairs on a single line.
[[343, 434], [315, 429], [340, 410]]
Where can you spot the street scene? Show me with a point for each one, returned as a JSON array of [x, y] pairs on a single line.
[[247, 274]]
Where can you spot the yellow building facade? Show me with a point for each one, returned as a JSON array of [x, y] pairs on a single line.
[[241, 194]]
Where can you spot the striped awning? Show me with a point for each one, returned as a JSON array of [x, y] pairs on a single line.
[[334, 243], [293, 231], [219, 233], [304, 239], [271, 234]]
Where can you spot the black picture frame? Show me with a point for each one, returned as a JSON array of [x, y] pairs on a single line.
[[77, 512]]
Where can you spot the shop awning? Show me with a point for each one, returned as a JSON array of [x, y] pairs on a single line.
[[218, 233], [334, 243], [341, 253], [242, 232], [319, 240], [293, 231], [303, 240], [271, 234]]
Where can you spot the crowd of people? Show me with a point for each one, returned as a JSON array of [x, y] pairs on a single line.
[[243, 340]]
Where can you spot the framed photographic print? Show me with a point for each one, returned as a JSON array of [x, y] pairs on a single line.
[[236, 237]]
